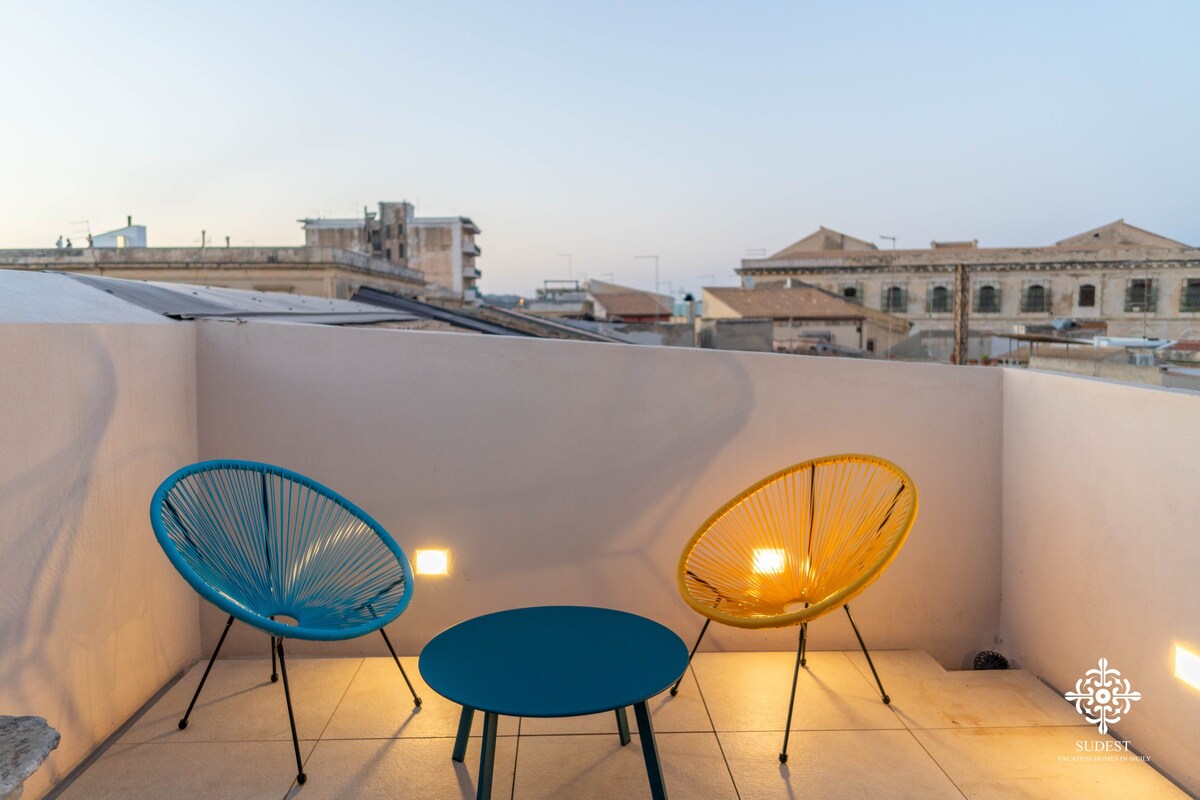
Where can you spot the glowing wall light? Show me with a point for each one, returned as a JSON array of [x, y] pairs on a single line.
[[433, 562], [1187, 666], [768, 560]]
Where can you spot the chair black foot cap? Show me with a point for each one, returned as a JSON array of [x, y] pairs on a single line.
[[274, 677], [804, 662], [783, 758], [301, 778], [182, 724], [674, 692], [887, 701], [417, 701]]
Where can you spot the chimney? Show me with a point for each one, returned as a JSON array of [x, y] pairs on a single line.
[[129, 220]]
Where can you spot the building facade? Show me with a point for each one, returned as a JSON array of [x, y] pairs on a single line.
[[806, 319], [1116, 279], [317, 271], [443, 248]]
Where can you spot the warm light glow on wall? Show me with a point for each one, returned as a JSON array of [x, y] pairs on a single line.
[[433, 562], [1187, 666], [768, 560]]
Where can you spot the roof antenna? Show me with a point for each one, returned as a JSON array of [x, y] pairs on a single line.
[[893, 238]]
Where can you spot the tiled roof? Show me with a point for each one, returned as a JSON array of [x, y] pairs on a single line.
[[624, 301], [799, 302]]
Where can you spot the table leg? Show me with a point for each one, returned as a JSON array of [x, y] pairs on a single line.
[[623, 726], [487, 757], [464, 730], [658, 788]]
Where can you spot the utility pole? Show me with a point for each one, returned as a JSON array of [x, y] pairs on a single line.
[[962, 298]]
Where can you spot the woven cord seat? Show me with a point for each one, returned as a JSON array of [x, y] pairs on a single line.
[[796, 545], [267, 545]]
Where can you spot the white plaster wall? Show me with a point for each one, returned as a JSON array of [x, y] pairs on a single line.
[[1101, 547], [565, 472], [93, 618]]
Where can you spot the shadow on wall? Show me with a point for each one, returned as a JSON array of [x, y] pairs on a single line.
[[44, 505]]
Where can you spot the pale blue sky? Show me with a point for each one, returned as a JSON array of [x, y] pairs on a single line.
[[696, 131]]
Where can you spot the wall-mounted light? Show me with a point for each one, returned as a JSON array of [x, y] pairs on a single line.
[[1187, 666], [433, 562], [769, 560]]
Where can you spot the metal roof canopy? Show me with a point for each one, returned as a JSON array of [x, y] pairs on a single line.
[[417, 309], [186, 301]]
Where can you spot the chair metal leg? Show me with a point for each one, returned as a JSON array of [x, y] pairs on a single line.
[[623, 726], [184, 720], [287, 695], [396, 658], [792, 699], [274, 672], [886, 700], [675, 688], [803, 644]]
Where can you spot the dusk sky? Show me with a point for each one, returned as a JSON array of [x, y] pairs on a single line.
[[700, 132]]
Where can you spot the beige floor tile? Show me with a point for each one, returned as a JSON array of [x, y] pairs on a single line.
[[1029, 763], [680, 714], [926, 696], [211, 770], [835, 764], [378, 706], [749, 692], [586, 767], [239, 702], [397, 769]]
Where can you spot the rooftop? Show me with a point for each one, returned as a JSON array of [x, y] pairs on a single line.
[[1056, 525]]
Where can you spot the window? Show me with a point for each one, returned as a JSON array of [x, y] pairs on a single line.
[[987, 299], [870, 345], [938, 301], [120, 240], [1140, 295], [894, 299], [1189, 300], [851, 294], [1087, 296], [1035, 299]]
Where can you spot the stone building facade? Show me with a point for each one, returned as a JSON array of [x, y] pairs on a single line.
[[1117, 279], [443, 248]]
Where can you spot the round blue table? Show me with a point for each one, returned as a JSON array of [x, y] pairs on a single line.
[[554, 661]]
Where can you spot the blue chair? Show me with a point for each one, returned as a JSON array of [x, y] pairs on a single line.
[[269, 546]]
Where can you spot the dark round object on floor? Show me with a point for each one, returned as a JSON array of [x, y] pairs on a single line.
[[990, 659]]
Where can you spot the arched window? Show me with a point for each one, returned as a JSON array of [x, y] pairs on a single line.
[[850, 293], [1087, 296], [894, 299], [939, 299], [987, 299], [1035, 298], [1190, 299]]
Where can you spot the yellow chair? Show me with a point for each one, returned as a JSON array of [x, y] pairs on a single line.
[[796, 545]]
